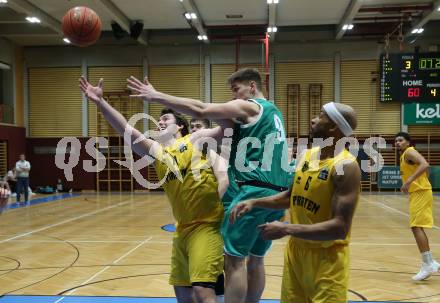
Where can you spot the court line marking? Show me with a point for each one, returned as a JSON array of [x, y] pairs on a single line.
[[276, 243], [382, 205], [105, 268], [41, 200], [74, 241], [65, 221]]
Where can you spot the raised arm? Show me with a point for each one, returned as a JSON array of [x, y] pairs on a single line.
[[144, 146], [237, 109], [216, 133], [414, 157], [278, 201], [220, 169], [344, 202]]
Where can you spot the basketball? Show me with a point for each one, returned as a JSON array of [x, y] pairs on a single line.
[[82, 26]]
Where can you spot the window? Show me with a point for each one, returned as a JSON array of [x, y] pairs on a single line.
[[6, 94]]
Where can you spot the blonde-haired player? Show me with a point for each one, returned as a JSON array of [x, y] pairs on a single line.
[[414, 172]]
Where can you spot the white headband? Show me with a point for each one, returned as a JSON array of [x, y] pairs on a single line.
[[336, 116]]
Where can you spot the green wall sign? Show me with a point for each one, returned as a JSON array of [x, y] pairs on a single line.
[[389, 177], [421, 113]]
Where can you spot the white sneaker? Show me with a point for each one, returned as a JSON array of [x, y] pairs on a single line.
[[436, 265], [425, 272]]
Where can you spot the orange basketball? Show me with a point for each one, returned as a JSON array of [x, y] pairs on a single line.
[[82, 26]]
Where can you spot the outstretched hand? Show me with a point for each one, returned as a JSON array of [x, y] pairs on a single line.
[[93, 93], [272, 231], [141, 89], [239, 210]]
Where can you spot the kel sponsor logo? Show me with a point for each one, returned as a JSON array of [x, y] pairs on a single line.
[[428, 112]]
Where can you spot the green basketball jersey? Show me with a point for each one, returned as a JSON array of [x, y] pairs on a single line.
[[260, 147]]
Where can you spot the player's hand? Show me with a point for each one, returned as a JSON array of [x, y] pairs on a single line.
[[274, 230], [141, 89], [405, 188], [93, 93], [239, 210], [4, 195]]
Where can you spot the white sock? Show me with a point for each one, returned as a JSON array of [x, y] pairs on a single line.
[[427, 257]]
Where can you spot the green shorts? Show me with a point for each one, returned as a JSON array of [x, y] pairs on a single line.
[[230, 194], [242, 238]]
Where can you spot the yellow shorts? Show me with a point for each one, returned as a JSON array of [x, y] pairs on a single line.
[[315, 274], [420, 209], [197, 255]]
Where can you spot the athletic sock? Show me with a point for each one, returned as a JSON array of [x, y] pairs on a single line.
[[427, 257]]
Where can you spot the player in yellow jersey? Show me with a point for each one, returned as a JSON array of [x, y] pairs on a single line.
[[322, 201], [414, 173], [197, 254], [227, 186]]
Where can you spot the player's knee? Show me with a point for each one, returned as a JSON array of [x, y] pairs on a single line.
[[234, 263], [203, 290], [255, 263]]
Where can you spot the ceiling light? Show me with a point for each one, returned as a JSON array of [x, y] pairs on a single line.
[[269, 1], [347, 27], [276, 1], [4, 66], [350, 26], [190, 16], [66, 40], [269, 29], [438, 8], [274, 29], [3, 1], [33, 19]]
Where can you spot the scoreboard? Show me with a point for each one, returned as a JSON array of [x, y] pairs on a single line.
[[410, 77]]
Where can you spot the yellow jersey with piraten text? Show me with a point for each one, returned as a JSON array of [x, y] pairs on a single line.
[[312, 192], [407, 170], [195, 199]]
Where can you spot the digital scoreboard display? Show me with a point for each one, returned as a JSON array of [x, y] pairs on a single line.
[[410, 77]]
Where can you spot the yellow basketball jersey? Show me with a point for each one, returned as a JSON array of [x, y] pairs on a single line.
[[192, 201], [407, 170], [312, 192]]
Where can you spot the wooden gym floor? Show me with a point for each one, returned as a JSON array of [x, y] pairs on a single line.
[[113, 245]]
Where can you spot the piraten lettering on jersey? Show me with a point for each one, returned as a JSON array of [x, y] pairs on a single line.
[[305, 203]]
